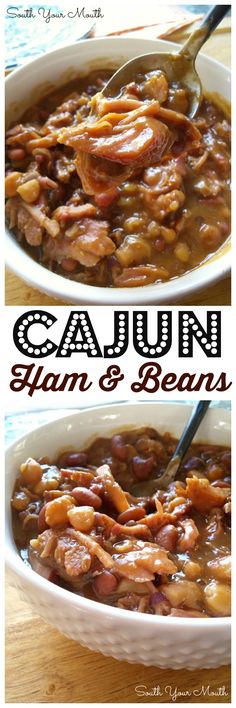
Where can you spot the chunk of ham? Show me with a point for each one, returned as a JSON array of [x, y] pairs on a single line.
[[102, 105], [59, 551], [36, 564], [33, 232], [114, 491], [156, 86], [136, 276], [164, 204], [98, 175], [50, 225], [125, 143], [29, 227], [203, 496], [163, 178], [64, 213], [127, 132], [183, 594], [189, 537], [75, 558], [87, 247], [142, 563], [192, 136], [70, 553]]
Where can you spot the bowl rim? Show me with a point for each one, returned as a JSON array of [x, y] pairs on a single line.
[[60, 287], [109, 40], [15, 563]]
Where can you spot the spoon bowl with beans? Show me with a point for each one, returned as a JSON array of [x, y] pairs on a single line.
[[162, 482], [177, 67]]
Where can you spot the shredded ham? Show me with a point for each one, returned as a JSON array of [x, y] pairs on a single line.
[[46, 141], [63, 213], [50, 225], [189, 537], [202, 495], [113, 490], [95, 537], [32, 230], [142, 564], [90, 245], [73, 550], [94, 548], [134, 134]]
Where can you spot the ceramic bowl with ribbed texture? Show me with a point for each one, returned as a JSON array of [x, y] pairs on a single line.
[[166, 642]]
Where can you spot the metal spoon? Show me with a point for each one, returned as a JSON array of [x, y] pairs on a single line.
[[177, 67], [162, 482]]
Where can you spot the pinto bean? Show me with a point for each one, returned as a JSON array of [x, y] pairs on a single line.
[[73, 459], [118, 448], [105, 583], [194, 463], [167, 537], [133, 514], [214, 472], [42, 524], [69, 265], [16, 154], [84, 496], [159, 245], [143, 467], [225, 461], [96, 488]]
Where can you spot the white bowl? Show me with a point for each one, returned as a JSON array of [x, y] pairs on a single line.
[[23, 87], [167, 642]]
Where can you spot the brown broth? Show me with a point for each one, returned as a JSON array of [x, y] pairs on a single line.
[[149, 247], [211, 462]]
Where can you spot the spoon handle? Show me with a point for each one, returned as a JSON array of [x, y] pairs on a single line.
[[201, 34], [183, 444], [150, 486], [192, 426]]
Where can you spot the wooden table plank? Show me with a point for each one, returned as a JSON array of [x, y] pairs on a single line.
[[43, 666]]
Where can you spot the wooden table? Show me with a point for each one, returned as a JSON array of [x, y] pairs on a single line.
[[42, 666], [18, 293]]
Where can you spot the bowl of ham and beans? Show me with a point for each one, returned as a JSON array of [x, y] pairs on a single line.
[[107, 195], [108, 557]]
